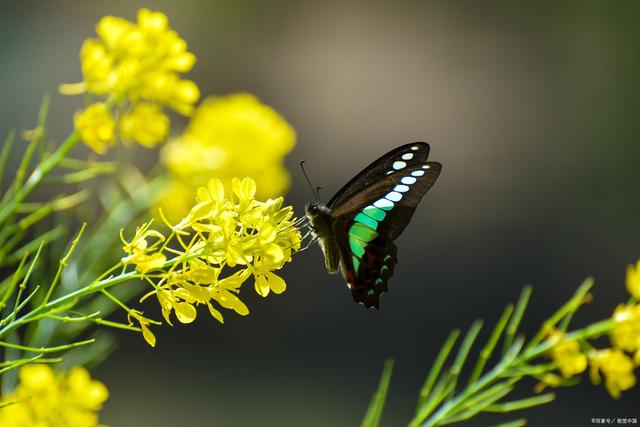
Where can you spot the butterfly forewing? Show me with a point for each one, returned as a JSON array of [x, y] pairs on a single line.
[[372, 210], [408, 154]]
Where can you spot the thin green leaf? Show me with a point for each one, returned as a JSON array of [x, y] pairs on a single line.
[[46, 237], [441, 390], [46, 349], [18, 363], [521, 306], [477, 408], [374, 412], [482, 396], [487, 351], [13, 282], [515, 423], [516, 405], [4, 154], [463, 352], [570, 306], [437, 365], [63, 263]]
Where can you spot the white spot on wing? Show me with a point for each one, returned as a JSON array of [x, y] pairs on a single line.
[[394, 196], [408, 180], [399, 165], [415, 148], [417, 173], [401, 188], [383, 203], [407, 156]]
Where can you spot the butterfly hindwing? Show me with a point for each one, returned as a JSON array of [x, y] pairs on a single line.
[[368, 274]]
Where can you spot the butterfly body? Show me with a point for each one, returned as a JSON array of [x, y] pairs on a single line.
[[356, 229]]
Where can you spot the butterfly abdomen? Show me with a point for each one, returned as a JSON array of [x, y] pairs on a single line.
[[320, 219]]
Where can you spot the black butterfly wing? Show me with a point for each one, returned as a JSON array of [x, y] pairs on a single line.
[[419, 152], [372, 210]]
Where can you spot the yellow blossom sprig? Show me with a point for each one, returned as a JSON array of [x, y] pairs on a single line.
[[221, 243], [135, 68], [46, 398], [218, 245], [554, 355]]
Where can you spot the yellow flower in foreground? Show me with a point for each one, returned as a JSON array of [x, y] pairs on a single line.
[[48, 399], [224, 240], [140, 252], [567, 355], [633, 280], [148, 336], [625, 335], [616, 367], [146, 124], [230, 136], [96, 127]]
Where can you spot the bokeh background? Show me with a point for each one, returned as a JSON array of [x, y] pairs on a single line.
[[531, 107]]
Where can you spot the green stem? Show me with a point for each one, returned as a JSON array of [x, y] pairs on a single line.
[[38, 174], [47, 349]]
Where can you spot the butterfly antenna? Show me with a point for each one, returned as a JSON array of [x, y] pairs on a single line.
[[315, 193], [318, 188]]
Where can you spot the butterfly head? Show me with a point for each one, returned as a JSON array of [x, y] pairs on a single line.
[[319, 217], [315, 210]]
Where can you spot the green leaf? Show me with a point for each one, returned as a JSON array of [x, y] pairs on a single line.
[[516, 405], [515, 423], [4, 154], [521, 306], [374, 412], [486, 352], [478, 406], [465, 348], [437, 366]]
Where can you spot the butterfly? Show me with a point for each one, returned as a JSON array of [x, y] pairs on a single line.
[[356, 229]]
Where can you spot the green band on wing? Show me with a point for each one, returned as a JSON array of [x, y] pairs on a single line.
[[375, 213], [366, 220], [356, 263], [357, 246], [362, 232]]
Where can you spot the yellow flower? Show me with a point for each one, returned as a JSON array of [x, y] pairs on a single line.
[[567, 355], [548, 380], [230, 136], [96, 127], [138, 250], [47, 399], [625, 334], [633, 280], [616, 367], [135, 61], [146, 124], [138, 67], [253, 238], [144, 325]]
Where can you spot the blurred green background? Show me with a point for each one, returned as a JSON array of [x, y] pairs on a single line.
[[531, 107]]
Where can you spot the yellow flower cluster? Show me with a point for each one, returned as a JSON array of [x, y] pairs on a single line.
[[616, 367], [47, 399], [221, 242], [137, 66], [614, 363], [229, 136], [567, 355]]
